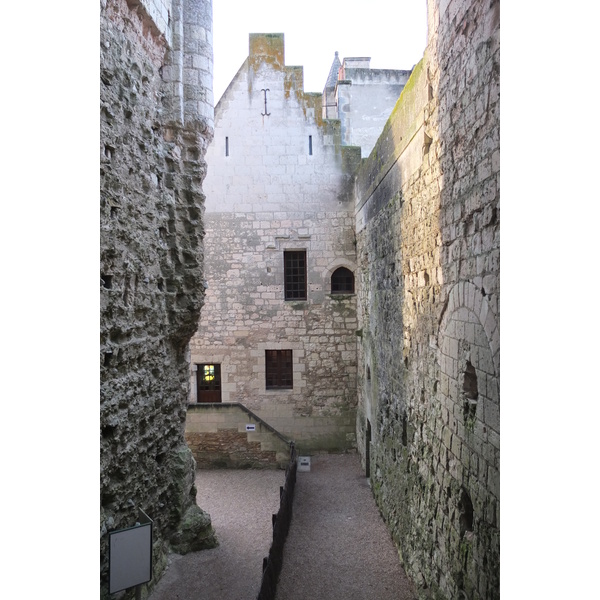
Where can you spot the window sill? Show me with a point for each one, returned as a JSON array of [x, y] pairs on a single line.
[[298, 304]]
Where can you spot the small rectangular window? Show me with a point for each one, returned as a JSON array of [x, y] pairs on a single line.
[[278, 370], [226, 146], [310, 144], [294, 266]]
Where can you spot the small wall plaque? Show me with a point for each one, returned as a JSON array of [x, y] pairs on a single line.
[[304, 463]]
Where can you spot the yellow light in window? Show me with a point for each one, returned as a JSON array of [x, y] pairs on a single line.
[[209, 372]]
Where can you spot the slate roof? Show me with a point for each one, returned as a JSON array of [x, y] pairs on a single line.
[[333, 72]]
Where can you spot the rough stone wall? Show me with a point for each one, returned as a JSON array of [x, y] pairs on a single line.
[[218, 437], [267, 193], [152, 167], [159, 13], [428, 220]]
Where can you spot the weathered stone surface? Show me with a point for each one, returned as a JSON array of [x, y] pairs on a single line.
[[419, 226], [427, 248], [218, 437], [152, 168], [279, 180], [195, 532]]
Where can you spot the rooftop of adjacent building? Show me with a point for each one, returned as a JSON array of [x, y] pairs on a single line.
[[271, 46]]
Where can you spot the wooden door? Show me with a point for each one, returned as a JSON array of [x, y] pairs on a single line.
[[208, 382]]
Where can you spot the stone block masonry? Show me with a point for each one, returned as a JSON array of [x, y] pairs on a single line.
[[219, 437], [279, 181], [404, 364], [152, 169], [364, 100], [427, 226], [159, 12]]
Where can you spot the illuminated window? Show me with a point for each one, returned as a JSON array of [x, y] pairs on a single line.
[[342, 281], [209, 383], [294, 266], [279, 374]]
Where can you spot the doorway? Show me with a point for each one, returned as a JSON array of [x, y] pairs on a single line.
[[208, 383]]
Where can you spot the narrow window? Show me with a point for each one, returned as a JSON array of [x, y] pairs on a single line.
[[278, 370], [226, 146], [470, 394], [368, 450], [342, 281], [426, 143], [465, 508], [294, 266], [310, 144]]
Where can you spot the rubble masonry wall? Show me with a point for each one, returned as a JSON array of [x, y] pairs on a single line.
[[152, 167], [428, 223]]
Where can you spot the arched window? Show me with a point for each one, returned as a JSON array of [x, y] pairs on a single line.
[[342, 281]]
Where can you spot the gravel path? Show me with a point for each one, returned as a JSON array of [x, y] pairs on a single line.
[[241, 504], [338, 547]]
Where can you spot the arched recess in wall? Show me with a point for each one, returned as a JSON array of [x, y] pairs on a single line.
[[334, 268], [465, 296], [342, 281], [469, 359]]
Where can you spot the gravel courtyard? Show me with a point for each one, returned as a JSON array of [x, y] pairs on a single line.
[[338, 547]]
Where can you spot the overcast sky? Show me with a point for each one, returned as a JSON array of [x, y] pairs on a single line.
[[392, 32]]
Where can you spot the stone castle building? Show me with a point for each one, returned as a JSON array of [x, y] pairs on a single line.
[[278, 329], [350, 287]]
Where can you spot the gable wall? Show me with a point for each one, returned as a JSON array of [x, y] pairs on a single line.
[[269, 195]]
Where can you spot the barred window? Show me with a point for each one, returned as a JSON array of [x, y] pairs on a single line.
[[342, 281], [279, 369], [294, 266]]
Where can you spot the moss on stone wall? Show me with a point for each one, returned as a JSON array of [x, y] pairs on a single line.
[[427, 309]]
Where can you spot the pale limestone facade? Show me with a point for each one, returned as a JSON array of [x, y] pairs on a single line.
[[418, 223], [364, 99], [406, 370], [279, 179], [231, 436]]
